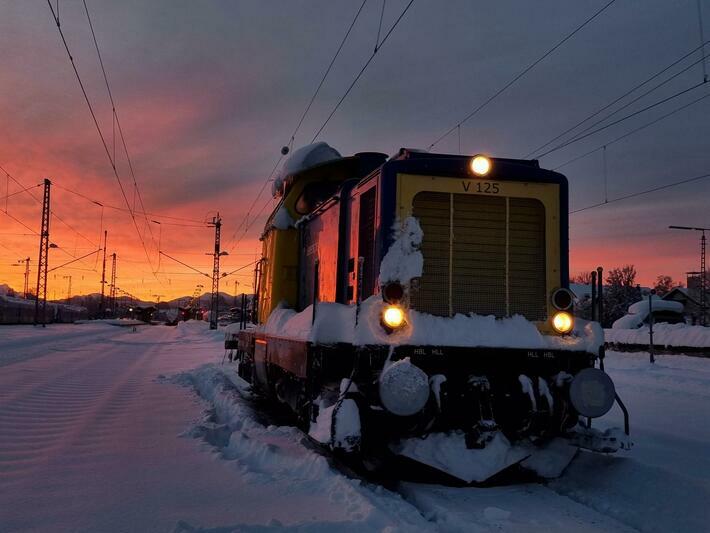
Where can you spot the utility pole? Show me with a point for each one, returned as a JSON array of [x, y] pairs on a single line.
[[26, 288], [112, 288], [236, 288], [69, 289], [41, 301], [214, 306], [102, 302], [703, 272]]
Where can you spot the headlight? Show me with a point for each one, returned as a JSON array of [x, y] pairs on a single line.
[[404, 388], [393, 317], [480, 165], [563, 322], [592, 392]]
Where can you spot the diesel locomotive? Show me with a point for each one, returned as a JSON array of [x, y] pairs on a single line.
[[419, 303]]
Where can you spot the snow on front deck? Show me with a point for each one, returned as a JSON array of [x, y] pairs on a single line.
[[336, 323]]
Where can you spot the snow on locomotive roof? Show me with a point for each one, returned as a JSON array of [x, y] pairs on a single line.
[[301, 159]]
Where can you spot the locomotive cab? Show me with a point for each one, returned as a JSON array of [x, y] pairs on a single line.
[[420, 303]]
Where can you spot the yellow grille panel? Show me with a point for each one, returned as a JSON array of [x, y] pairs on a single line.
[[482, 254]]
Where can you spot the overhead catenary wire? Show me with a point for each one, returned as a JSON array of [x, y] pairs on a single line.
[[581, 134], [101, 136], [251, 222], [34, 232], [118, 123], [520, 75], [633, 131], [10, 195], [364, 68], [622, 119], [641, 193], [245, 220], [240, 268], [298, 126], [618, 99], [184, 264], [75, 260], [28, 190], [327, 71], [109, 206]]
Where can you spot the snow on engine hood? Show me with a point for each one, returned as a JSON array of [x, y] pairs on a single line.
[[336, 323], [301, 159]]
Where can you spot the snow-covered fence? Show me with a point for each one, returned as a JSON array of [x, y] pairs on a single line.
[[667, 338]]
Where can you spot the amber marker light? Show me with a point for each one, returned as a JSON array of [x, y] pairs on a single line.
[[480, 165], [563, 322], [393, 317]]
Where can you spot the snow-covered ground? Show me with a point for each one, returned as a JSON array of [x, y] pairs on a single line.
[[106, 429], [663, 335]]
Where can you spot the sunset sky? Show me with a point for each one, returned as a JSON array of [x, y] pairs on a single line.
[[208, 92]]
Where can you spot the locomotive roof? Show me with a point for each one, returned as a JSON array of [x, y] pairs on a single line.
[[414, 153]]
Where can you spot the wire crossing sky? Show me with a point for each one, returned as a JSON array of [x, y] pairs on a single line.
[[208, 93]]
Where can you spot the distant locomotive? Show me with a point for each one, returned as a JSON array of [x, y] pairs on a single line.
[[419, 304]]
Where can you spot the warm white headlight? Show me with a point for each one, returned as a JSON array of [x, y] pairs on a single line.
[[480, 165]]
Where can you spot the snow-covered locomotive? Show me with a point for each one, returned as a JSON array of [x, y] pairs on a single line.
[[418, 303]]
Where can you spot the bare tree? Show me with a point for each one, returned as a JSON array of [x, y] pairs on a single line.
[[583, 278], [620, 293], [664, 285]]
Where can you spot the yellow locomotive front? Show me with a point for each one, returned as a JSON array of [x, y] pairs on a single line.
[[422, 303], [490, 246]]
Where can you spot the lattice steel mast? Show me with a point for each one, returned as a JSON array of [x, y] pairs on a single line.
[[41, 296], [214, 307], [703, 282]]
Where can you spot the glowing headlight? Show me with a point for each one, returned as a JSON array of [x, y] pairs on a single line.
[[393, 317], [480, 165], [562, 322], [592, 392]]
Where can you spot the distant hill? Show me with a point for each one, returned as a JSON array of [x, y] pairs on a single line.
[[6, 290]]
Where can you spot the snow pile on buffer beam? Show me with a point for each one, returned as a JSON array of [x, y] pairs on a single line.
[[336, 323], [663, 334], [403, 261], [303, 158], [638, 312], [448, 453]]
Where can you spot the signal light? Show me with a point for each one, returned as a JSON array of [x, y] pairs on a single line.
[[480, 165], [392, 292], [563, 322], [393, 317], [562, 299]]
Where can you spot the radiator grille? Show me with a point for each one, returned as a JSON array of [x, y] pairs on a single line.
[[482, 254]]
